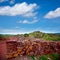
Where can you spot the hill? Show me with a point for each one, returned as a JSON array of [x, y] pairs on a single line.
[[35, 34]]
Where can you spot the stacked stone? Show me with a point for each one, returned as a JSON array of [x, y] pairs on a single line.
[[38, 47]]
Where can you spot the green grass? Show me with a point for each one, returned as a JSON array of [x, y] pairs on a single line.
[[32, 57], [46, 57]]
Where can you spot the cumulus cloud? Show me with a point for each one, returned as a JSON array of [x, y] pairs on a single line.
[[28, 22], [12, 1], [10, 31], [2, 1], [53, 14], [22, 9], [13, 31]]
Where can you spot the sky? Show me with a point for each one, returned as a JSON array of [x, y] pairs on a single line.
[[25, 16]]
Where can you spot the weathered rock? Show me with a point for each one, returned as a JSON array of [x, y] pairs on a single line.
[[28, 48]]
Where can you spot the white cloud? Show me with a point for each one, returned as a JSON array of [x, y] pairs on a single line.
[[22, 9], [12, 1], [2, 1], [28, 22], [30, 14], [11, 31], [8, 31], [16, 27], [53, 14]]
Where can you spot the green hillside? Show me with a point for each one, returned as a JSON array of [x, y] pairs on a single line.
[[37, 34], [45, 36]]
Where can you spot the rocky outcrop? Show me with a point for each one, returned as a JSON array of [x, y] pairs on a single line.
[[29, 47], [38, 47]]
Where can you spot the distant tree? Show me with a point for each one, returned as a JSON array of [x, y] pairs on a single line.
[[26, 35], [36, 34]]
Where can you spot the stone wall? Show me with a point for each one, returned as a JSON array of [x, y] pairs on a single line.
[[38, 47], [3, 50], [12, 49]]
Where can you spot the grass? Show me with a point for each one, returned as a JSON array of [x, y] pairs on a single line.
[[46, 57]]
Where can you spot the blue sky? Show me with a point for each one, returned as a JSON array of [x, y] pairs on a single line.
[[24, 16]]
